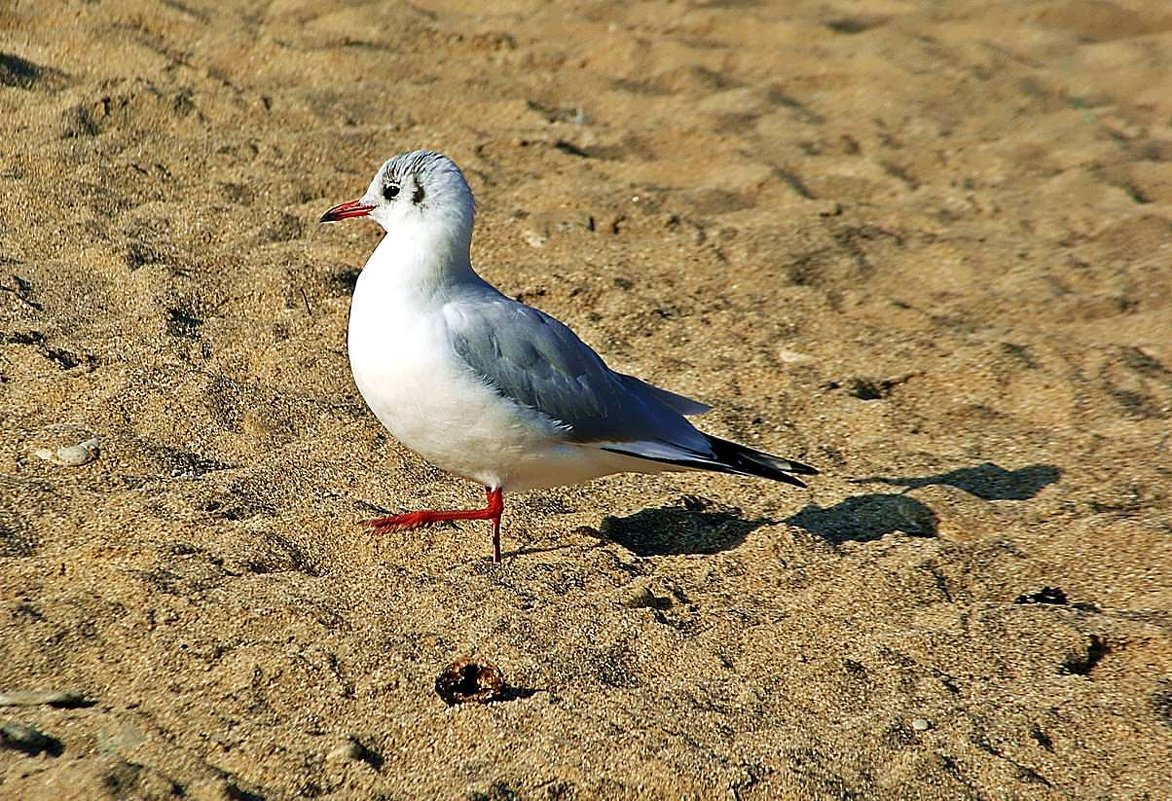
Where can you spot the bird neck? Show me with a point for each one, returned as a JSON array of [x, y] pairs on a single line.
[[421, 259]]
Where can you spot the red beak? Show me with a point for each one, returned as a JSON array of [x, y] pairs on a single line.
[[354, 208]]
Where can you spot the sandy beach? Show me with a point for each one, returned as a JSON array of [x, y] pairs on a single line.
[[923, 246]]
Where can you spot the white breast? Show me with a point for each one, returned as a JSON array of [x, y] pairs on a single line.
[[420, 389], [432, 402]]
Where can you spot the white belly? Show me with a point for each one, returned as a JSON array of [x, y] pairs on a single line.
[[426, 396]]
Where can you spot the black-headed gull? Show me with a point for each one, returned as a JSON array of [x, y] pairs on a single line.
[[491, 389]]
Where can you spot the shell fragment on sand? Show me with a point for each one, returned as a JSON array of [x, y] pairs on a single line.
[[63, 699], [470, 681], [71, 455]]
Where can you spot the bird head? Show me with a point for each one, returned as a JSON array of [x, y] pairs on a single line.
[[415, 193]]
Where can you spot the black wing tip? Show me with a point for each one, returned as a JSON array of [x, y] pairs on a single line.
[[802, 469], [740, 460], [784, 478], [743, 459]]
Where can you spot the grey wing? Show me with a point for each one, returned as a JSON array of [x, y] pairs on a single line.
[[683, 405], [538, 362]]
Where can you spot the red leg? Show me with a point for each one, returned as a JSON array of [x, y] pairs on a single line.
[[492, 510], [496, 534]]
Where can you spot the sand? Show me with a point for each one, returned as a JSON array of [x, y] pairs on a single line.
[[926, 247]]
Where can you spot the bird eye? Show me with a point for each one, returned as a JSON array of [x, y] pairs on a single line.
[[391, 192]]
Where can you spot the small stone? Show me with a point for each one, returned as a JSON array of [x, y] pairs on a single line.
[[22, 737], [71, 455], [640, 598], [63, 699], [119, 738], [536, 239], [793, 357], [351, 749], [643, 598], [212, 788], [347, 751], [920, 724], [470, 681], [1046, 595]]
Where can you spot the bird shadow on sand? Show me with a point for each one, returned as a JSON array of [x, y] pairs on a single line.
[[867, 517], [691, 527], [987, 481]]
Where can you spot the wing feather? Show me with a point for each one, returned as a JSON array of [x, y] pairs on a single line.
[[536, 361]]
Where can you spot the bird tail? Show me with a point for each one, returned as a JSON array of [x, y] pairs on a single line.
[[733, 458]]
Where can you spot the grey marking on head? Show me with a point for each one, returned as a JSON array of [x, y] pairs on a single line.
[[418, 164], [434, 180]]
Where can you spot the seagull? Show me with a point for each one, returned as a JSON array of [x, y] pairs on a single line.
[[487, 388]]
